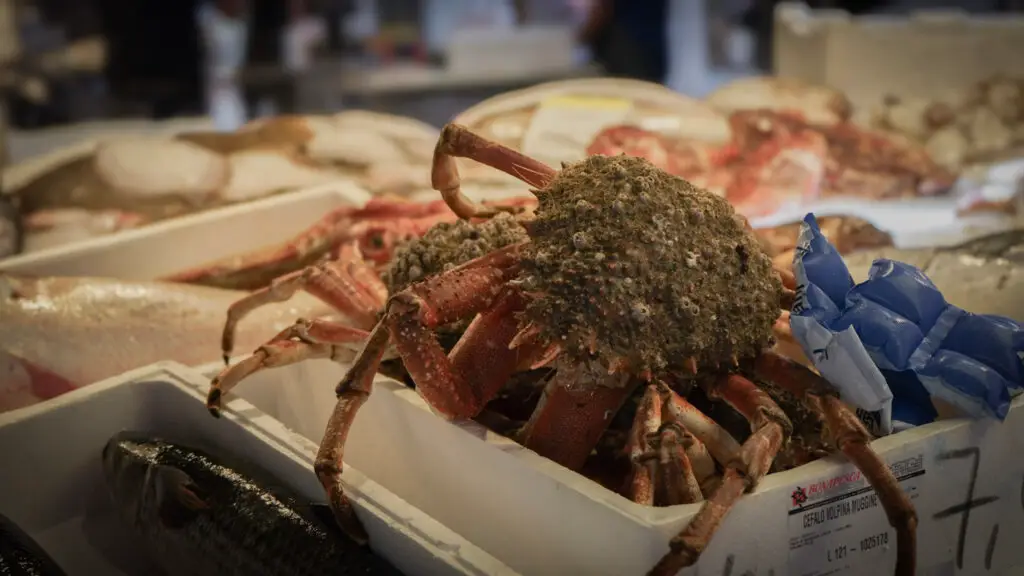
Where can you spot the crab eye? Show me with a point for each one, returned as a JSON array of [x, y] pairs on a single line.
[[376, 241]]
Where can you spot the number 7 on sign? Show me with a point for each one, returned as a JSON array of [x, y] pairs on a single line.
[[964, 509]]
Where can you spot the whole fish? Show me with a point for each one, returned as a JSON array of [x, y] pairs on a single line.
[[57, 334], [199, 516], [20, 555]]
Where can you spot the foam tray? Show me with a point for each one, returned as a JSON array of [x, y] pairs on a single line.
[[163, 248], [51, 480]]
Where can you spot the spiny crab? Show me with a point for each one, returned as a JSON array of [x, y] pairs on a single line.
[[630, 278], [353, 286]]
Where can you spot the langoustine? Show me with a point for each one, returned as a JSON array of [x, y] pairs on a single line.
[[58, 334]]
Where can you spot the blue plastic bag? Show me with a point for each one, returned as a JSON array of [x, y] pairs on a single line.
[[893, 340]]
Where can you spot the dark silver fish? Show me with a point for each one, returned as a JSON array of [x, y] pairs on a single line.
[[20, 555], [199, 516]]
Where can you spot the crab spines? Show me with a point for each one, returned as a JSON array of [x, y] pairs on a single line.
[[529, 334], [690, 364], [534, 352], [546, 356]]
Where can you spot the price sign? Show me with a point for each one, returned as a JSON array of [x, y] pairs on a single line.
[[837, 525], [966, 481], [980, 508]]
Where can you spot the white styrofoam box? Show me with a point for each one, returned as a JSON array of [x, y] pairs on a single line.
[[52, 484], [537, 48], [923, 55], [173, 245], [542, 519]]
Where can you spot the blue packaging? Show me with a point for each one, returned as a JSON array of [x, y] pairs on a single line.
[[895, 336]]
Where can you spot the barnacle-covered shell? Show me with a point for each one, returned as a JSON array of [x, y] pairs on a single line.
[[447, 245], [645, 267]]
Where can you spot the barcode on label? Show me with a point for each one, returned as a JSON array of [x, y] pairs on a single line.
[[872, 420]]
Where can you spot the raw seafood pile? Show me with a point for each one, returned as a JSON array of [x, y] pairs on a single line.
[[57, 334], [614, 244], [115, 184], [981, 123], [769, 146]]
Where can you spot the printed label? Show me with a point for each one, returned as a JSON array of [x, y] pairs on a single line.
[[837, 524], [564, 126]]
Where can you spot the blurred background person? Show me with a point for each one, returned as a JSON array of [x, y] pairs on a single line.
[[628, 38], [154, 54], [224, 26]]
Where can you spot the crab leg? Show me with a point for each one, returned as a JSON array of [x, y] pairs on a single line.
[[771, 428], [661, 423], [450, 385], [349, 285], [459, 141], [703, 467], [570, 419], [854, 441], [482, 353], [645, 425], [717, 441], [678, 478], [304, 340], [352, 392], [410, 315]]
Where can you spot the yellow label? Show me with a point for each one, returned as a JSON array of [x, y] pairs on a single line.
[[592, 102]]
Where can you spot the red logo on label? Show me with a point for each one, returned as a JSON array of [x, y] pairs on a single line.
[[799, 496]]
